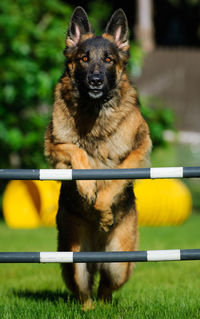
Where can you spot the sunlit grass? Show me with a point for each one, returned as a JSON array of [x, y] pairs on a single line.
[[156, 290]]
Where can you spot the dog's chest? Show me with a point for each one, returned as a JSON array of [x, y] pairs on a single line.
[[107, 140], [107, 152], [107, 145]]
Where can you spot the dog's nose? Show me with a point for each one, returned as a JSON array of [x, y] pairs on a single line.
[[95, 80]]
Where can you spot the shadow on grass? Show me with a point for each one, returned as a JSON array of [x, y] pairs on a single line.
[[45, 295], [54, 296]]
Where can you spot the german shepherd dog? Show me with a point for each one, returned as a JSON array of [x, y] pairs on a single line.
[[96, 123]]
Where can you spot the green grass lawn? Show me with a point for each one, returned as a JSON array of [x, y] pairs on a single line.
[[156, 290]]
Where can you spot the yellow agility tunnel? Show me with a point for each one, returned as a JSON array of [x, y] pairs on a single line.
[[160, 202], [29, 204]]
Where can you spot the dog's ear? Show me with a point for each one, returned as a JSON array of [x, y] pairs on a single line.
[[79, 25], [118, 28]]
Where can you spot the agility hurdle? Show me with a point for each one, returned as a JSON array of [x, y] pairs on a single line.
[[100, 174], [100, 257]]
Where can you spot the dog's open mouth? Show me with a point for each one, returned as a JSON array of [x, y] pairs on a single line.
[[95, 94]]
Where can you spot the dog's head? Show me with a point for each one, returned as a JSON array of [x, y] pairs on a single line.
[[96, 63]]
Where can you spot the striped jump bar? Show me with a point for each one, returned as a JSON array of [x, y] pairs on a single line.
[[100, 257], [100, 174]]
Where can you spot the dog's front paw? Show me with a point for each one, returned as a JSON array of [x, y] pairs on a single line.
[[88, 190], [106, 220]]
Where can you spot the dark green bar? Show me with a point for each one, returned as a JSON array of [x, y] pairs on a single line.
[[19, 257], [106, 174], [115, 256], [191, 172], [20, 174], [190, 254]]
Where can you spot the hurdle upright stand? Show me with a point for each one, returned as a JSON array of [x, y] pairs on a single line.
[[100, 174]]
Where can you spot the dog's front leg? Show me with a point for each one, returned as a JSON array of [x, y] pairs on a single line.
[[103, 206], [79, 160]]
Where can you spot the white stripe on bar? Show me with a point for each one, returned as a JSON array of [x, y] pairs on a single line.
[[55, 174], [163, 255], [56, 257], [166, 172]]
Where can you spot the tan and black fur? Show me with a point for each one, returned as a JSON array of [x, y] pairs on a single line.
[[96, 123]]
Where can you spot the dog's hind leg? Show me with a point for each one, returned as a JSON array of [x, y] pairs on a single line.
[[122, 238], [72, 236], [79, 280]]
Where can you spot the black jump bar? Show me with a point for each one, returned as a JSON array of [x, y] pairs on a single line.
[[100, 174], [100, 257]]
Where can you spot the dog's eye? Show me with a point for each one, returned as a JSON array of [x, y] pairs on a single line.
[[108, 60], [84, 58]]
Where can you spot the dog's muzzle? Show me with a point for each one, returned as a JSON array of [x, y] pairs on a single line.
[[96, 84]]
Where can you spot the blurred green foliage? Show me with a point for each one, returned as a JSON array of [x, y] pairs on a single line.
[[99, 13], [136, 59], [159, 119], [32, 41]]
